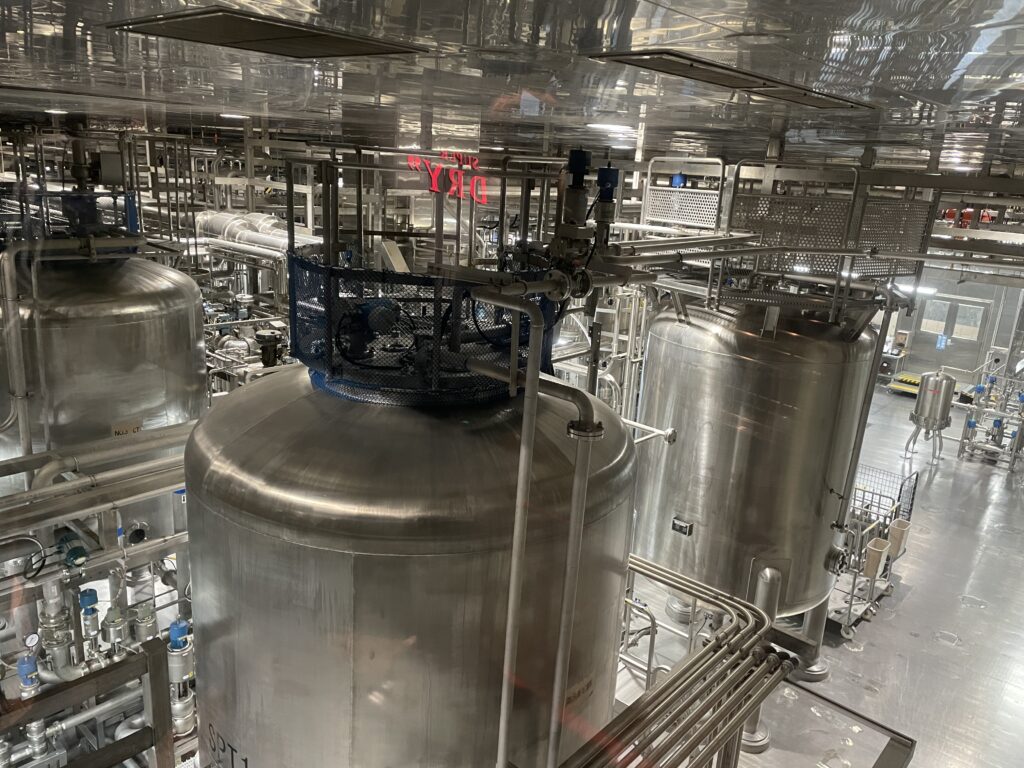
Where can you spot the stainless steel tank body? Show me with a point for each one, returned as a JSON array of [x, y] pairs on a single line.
[[111, 347], [934, 401], [351, 562], [932, 412], [767, 422]]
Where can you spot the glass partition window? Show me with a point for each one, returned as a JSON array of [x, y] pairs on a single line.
[[969, 318], [933, 319]]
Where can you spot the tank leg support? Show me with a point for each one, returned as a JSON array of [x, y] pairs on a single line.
[[812, 667], [909, 450], [756, 736]]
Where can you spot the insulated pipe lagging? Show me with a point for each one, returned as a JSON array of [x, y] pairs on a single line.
[[237, 228]]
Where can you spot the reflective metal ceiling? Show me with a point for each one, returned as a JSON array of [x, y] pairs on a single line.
[[518, 73]]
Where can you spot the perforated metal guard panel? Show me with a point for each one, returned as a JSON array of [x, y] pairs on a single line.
[[803, 222], [895, 226], [828, 265], [684, 207], [397, 339]]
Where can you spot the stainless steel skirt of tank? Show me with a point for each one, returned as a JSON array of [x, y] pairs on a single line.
[[934, 404], [350, 571], [766, 425]]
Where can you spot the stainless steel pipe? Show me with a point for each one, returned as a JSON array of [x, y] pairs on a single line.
[[522, 503], [128, 447]]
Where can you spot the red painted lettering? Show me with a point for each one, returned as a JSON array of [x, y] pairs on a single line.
[[474, 163], [435, 175], [478, 190], [457, 179], [414, 162]]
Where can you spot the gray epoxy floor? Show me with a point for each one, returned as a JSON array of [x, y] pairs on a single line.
[[943, 661]]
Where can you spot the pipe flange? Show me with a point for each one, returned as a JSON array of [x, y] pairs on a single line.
[[564, 289], [583, 284], [581, 430], [838, 561]]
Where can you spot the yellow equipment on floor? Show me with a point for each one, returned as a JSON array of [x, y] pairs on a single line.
[[906, 384]]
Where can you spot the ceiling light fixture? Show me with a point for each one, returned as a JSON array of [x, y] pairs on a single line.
[[669, 62], [233, 116], [611, 128], [56, 111], [922, 290]]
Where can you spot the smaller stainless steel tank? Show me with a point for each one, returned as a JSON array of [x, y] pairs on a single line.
[[934, 401], [766, 424]]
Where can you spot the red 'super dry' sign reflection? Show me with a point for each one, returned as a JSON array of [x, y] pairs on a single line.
[[455, 181]]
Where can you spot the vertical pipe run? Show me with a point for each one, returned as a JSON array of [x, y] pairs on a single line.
[[766, 597], [16, 352], [524, 210], [570, 579], [360, 223], [596, 334], [289, 180], [585, 432], [523, 483]]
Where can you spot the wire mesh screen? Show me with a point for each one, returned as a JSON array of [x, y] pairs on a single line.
[[885, 492], [395, 338]]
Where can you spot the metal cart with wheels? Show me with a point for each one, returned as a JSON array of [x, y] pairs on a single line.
[[876, 538]]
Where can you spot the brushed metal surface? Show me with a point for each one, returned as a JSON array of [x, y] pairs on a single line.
[[350, 569], [766, 425], [109, 345], [934, 401]]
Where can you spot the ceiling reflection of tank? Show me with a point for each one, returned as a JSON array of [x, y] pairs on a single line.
[[521, 72]]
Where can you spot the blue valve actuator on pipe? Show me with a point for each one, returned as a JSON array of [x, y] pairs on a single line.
[[998, 423], [177, 634], [28, 670], [992, 379], [979, 388], [972, 424], [87, 600]]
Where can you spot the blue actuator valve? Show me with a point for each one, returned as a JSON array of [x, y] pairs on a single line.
[[997, 423], [177, 634], [87, 600], [1020, 397], [992, 379], [972, 424], [979, 388], [28, 670]]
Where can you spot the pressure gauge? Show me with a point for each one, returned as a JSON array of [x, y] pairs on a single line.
[[32, 642]]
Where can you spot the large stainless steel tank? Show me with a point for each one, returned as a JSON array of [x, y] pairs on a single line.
[[350, 570], [766, 425], [111, 347]]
